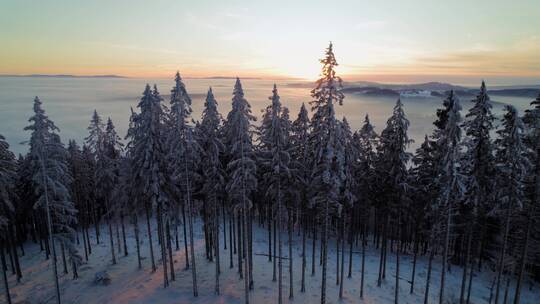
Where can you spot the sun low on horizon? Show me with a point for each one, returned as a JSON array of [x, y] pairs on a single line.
[[388, 41]]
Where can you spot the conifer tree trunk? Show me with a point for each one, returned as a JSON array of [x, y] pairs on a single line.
[[150, 237], [503, 253], [415, 256], [269, 214], [446, 242], [465, 264], [234, 230], [162, 244], [324, 251], [216, 242], [338, 241], [224, 225], [250, 249], [304, 228], [396, 292], [280, 267], [111, 238], [231, 241], [84, 243], [169, 247], [382, 256], [49, 229], [124, 234], [191, 242], [4, 275], [291, 271], [118, 243], [94, 212], [350, 239], [186, 254], [274, 272], [13, 253], [313, 247], [137, 242], [239, 231], [428, 278], [63, 251], [88, 233], [363, 263], [244, 251], [523, 260], [176, 224], [342, 259]]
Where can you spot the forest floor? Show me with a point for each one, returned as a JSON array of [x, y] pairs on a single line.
[[131, 285]]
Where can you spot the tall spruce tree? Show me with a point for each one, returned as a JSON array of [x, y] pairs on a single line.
[[300, 156], [213, 173], [327, 174], [479, 166], [241, 168], [392, 167], [184, 153], [451, 181], [52, 179], [8, 177], [512, 165], [148, 163]]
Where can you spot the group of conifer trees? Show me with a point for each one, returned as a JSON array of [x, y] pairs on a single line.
[[467, 196]]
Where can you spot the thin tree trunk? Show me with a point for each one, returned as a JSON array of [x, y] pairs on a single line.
[[428, 278], [231, 241], [137, 242], [304, 228], [274, 270], [14, 253], [342, 259], [523, 261], [4, 275], [124, 234], [381, 260], [118, 243], [150, 238], [216, 242], [224, 225], [185, 236], [280, 267], [191, 242], [63, 251], [291, 271], [503, 253], [240, 256], [85, 242], [467, 257], [269, 214], [396, 291], [50, 231], [446, 242], [415, 256], [338, 242], [363, 264], [313, 247], [324, 251], [111, 238], [169, 246]]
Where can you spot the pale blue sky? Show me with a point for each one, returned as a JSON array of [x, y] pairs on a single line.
[[381, 40]]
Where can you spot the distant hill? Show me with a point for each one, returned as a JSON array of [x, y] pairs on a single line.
[[433, 89], [64, 76]]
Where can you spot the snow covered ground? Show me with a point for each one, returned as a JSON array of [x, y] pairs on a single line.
[[130, 285]]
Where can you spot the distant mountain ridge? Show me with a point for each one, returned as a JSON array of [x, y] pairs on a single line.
[[433, 89], [63, 76]]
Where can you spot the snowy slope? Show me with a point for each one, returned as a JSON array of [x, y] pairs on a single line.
[[130, 285]]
